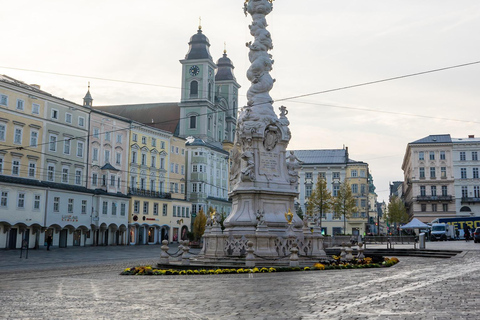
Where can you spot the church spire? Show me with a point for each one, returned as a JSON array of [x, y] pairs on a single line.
[[88, 100]]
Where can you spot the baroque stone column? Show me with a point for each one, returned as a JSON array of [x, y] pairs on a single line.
[[263, 176]]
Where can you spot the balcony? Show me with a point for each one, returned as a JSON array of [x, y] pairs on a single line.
[[148, 193], [470, 200], [434, 198]]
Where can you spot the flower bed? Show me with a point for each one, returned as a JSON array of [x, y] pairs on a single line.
[[324, 265]]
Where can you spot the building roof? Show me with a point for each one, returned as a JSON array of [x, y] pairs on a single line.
[[225, 69], [199, 45], [325, 156], [163, 116], [197, 142], [435, 138]]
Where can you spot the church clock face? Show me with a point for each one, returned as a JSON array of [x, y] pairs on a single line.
[[194, 70]]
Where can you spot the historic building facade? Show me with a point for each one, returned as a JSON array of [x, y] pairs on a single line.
[[335, 167], [428, 187]]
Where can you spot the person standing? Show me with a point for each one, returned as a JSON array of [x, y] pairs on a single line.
[[49, 242]]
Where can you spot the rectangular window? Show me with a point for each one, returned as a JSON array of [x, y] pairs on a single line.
[[423, 207], [78, 177], [144, 140], [96, 133], [442, 155], [20, 104], [56, 204], [194, 187], [445, 207], [112, 181], [153, 162], [65, 175], [462, 156], [118, 158], [474, 156], [363, 188], [3, 100], [308, 190], [434, 207], [1, 165], [176, 168], [336, 188], [432, 172], [162, 163], [54, 114], [15, 167], [353, 173], [3, 129], [154, 142], [66, 146], [17, 138], [423, 191], [362, 173], [107, 156], [84, 206], [123, 209], [136, 206], [164, 209], [32, 169], [70, 206], [183, 212], [51, 173], [53, 143], [476, 191], [464, 191], [4, 199], [188, 215], [134, 157], [354, 188], [463, 173], [107, 136], [421, 155], [94, 179], [432, 155], [36, 202], [80, 149], [95, 154], [194, 168], [68, 117], [152, 185], [162, 144], [144, 159], [33, 138], [363, 203], [444, 190], [81, 121], [145, 207], [174, 211], [21, 200], [114, 208], [134, 137], [443, 172], [105, 207], [155, 209], [308, 175], [475, 173], [182, 188], [433, 190], [119, 138]]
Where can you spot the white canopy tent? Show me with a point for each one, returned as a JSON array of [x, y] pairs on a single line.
[[415, 224]]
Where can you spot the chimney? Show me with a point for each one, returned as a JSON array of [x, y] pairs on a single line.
[[471, 136]]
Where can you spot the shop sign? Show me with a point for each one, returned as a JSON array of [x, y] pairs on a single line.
[[69, 218]]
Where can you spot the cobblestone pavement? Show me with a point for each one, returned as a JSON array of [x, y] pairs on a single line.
[[84, 283]]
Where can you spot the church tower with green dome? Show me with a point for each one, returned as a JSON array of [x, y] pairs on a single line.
[[209, 98]]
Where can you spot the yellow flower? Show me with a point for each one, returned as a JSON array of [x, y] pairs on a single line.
[[240, 270], [255, 270], [126, 270], [272, 270], [319, 266]]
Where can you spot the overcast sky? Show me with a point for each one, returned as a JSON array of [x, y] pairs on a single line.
[[319, 45]]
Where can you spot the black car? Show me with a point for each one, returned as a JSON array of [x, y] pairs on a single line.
[[476, 235]]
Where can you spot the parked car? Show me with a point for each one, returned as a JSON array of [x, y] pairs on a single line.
[[476, 235]]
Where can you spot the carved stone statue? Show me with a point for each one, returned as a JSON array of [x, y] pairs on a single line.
[[260, 218], [248, 173], [293, 163]]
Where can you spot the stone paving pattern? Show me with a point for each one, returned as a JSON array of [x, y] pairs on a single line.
[[84, 283]]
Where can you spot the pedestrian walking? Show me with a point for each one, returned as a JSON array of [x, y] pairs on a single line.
[[49, 242], [466, 231]]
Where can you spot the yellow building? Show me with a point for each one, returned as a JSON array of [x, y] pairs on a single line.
[[158, 210], [357, 178]]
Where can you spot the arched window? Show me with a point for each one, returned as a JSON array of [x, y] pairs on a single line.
[[193, 88], [465, 209]]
